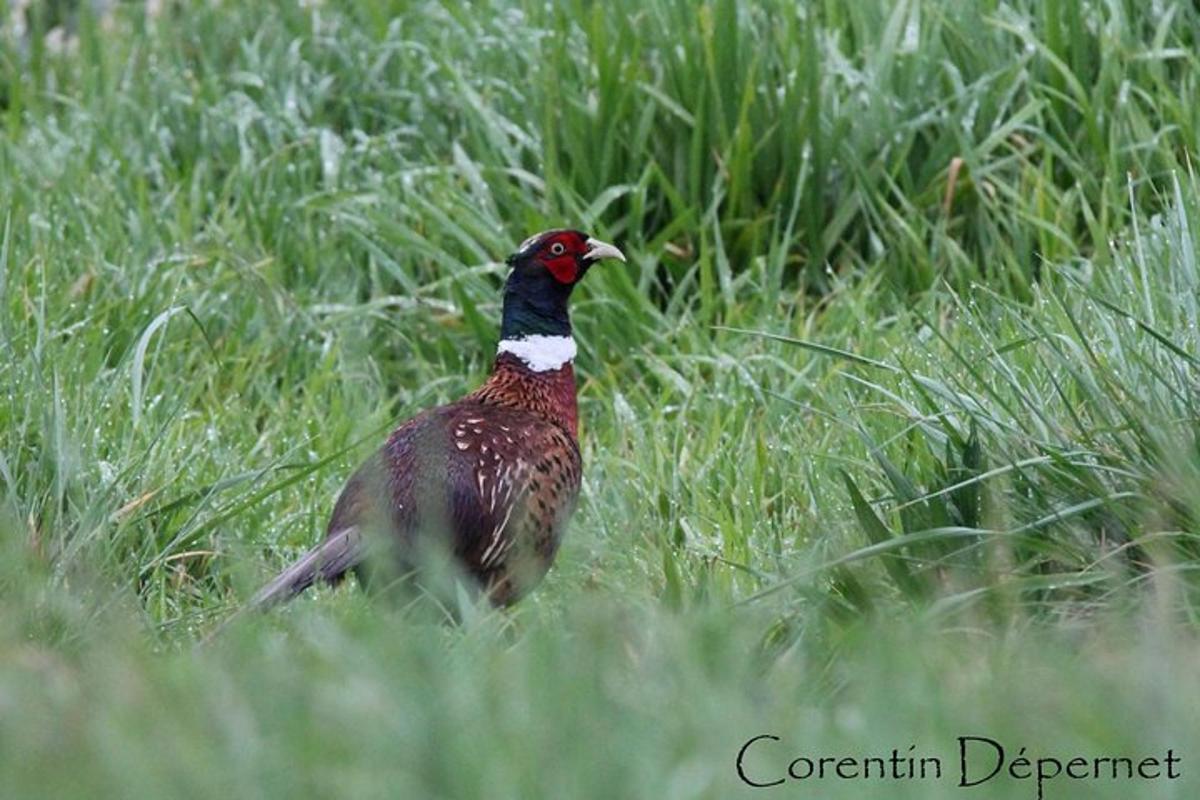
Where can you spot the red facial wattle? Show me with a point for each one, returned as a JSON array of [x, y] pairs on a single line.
[[564, 268], [560, 255]]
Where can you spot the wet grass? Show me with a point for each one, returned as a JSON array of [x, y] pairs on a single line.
[[889, 425]]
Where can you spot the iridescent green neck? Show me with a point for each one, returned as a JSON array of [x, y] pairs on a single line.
[[534, 304]]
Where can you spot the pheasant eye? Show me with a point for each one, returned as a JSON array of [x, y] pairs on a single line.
[[558, 248]]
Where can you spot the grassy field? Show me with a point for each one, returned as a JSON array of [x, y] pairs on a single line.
[[890, 424]]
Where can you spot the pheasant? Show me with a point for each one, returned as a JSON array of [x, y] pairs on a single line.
[[489, 482]]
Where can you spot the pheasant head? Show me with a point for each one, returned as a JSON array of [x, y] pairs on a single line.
[[545, 269]]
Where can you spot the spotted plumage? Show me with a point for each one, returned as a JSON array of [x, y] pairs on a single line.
[[490, 480]]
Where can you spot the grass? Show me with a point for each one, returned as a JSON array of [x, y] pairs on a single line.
[[889, 426]]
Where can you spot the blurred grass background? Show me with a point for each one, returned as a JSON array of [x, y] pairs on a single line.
[[890, 425]]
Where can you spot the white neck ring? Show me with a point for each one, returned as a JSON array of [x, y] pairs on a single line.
[[539, 352]]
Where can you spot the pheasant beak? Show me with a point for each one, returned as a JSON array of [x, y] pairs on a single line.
[[598, 250]]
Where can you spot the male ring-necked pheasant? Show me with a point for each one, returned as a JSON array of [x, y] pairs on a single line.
[[489, 480]]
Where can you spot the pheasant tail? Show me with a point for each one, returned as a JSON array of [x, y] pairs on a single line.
[[328, 562]]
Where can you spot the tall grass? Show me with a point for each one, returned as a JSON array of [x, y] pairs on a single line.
[[207, 233], [1042, 451], [930, 139], [889, 425]]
